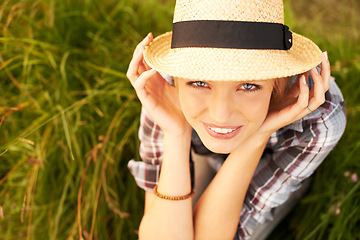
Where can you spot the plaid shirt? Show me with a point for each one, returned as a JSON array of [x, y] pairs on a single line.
[[292, 154]]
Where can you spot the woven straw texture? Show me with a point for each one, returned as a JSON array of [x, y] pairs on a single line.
[[220, 64], [239, 10]]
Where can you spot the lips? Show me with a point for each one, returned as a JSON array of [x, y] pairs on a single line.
[[222, 132]]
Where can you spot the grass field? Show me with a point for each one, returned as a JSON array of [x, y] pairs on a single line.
[[69, 118]]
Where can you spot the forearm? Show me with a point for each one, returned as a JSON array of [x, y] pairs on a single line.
[[223, 199], [166, 219]]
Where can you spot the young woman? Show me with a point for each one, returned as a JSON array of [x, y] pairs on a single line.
[[244, 112]]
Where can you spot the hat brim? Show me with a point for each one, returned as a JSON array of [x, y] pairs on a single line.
[[224, 64]]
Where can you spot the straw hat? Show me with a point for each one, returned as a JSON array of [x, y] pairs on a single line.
[[231, 40]]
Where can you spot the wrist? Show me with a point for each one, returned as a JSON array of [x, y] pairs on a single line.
[[257, 143], [178, 135], [260, 139], [175, 177], [179, 143]]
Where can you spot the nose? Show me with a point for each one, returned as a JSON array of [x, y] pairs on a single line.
[[221, 108]]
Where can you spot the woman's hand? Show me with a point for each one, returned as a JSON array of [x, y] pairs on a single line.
[[298, 101], [157, 96]]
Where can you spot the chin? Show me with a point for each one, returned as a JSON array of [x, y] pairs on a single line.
[[219, 147]]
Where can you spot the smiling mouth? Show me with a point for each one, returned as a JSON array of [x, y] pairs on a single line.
[[222, 132]]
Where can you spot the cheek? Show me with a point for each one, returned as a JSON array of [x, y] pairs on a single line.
[[191, 104], [255, 108]]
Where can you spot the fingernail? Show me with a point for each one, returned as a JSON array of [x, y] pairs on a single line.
[[303, 79], [325, 54], [148, 36]]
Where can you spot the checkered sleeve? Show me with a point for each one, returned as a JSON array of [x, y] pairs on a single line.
[[295, 154], [147, 171]]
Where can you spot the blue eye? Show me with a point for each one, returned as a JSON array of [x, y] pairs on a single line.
[[250, 87], [198, 84]]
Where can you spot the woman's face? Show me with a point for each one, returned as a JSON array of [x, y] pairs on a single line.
[[224, 114]]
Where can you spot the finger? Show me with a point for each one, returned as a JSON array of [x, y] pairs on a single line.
[[142, 67], [145, 42], [292, 112], [141, 44], [294, 90], [317, 96], [146, 66], [297, 110], [303, 99], [146, 98], [325, 70], [140, 83], [136, 66], [133, 71]]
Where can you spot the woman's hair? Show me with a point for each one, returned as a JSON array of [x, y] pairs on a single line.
[[280, 85]]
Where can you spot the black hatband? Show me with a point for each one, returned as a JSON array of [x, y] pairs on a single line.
[[231, 34]]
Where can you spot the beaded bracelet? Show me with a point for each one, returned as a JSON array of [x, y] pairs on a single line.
[[176, 198]]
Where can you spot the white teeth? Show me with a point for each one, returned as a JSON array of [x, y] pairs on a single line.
[[222, 130]]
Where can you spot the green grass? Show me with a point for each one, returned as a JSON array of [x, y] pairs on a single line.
[[68, 112], [69, 118]]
